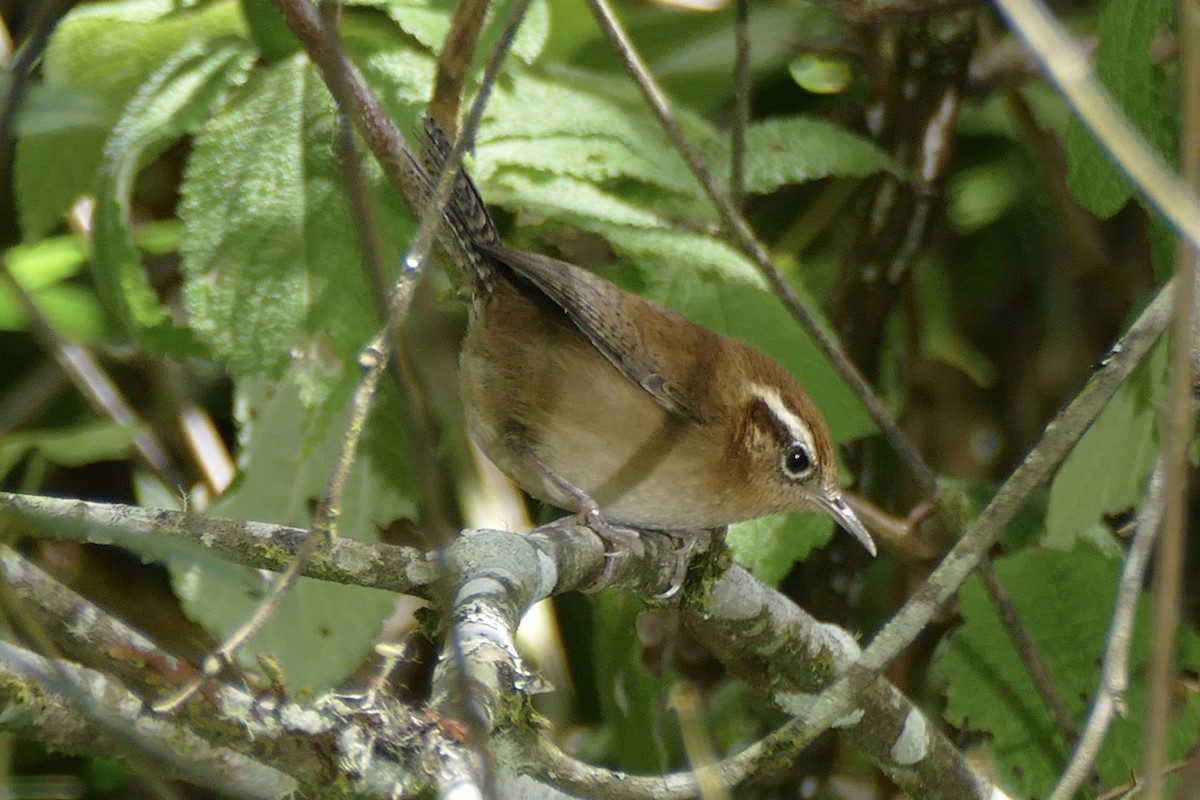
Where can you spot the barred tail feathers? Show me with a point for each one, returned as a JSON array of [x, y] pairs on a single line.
[[466, 218]]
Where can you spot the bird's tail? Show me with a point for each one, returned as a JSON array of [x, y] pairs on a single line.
[[467, 225]]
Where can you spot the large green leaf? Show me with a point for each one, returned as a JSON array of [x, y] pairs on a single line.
[[1106, 472], [273, 273], [785, 150], [1124, 62], [105, 51], [1065, 601], [572, 124], [769, 546], [176, 100]]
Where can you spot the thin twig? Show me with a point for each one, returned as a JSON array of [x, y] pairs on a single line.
[[466, 23], [1010, 618], [1068, 67], [1114, 671], [741, 103], [1176, 428], [436, 518], [744, 240]]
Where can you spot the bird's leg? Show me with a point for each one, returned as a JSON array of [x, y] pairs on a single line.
[[689, 541], [621, 539]]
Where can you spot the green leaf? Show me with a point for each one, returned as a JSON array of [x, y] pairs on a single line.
[[45, 263], [322, 630], [588, 133], [940, 338], [270, 33], [769, 546], [176, 100], [47, 110], [787, 150], [105, 51], [1128, 29], [76, 446], [1064, 600], [631, 698], [273, 275], [1107, 471], [981, 194], [820, 74], [42, 269]]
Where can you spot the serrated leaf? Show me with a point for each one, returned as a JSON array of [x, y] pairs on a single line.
[[785, 150], [176, 100], [105, 51], [769, 546], [1106, 472], [1128, 29], [598, 135], [1064, 600], [272, 272], [594, 158], [322, 630]]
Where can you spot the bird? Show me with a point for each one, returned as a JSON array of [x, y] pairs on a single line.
[[603, 402]]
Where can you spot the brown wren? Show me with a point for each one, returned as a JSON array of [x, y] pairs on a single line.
[[628, 412]]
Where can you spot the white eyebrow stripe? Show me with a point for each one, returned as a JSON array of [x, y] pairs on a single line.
[[795, 425]]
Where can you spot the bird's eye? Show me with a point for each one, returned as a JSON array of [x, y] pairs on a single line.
[[797, 462]]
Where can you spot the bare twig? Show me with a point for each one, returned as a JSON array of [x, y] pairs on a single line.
[[741, 103], [1176, 426], [454, 60], [1114, 671]]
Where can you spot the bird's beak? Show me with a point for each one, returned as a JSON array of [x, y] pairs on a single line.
[[836, 507]]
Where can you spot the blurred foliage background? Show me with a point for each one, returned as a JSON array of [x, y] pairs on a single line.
[[974, 251]]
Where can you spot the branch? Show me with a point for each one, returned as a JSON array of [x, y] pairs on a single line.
[[31, 706], [376, 743], [497, 575]]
